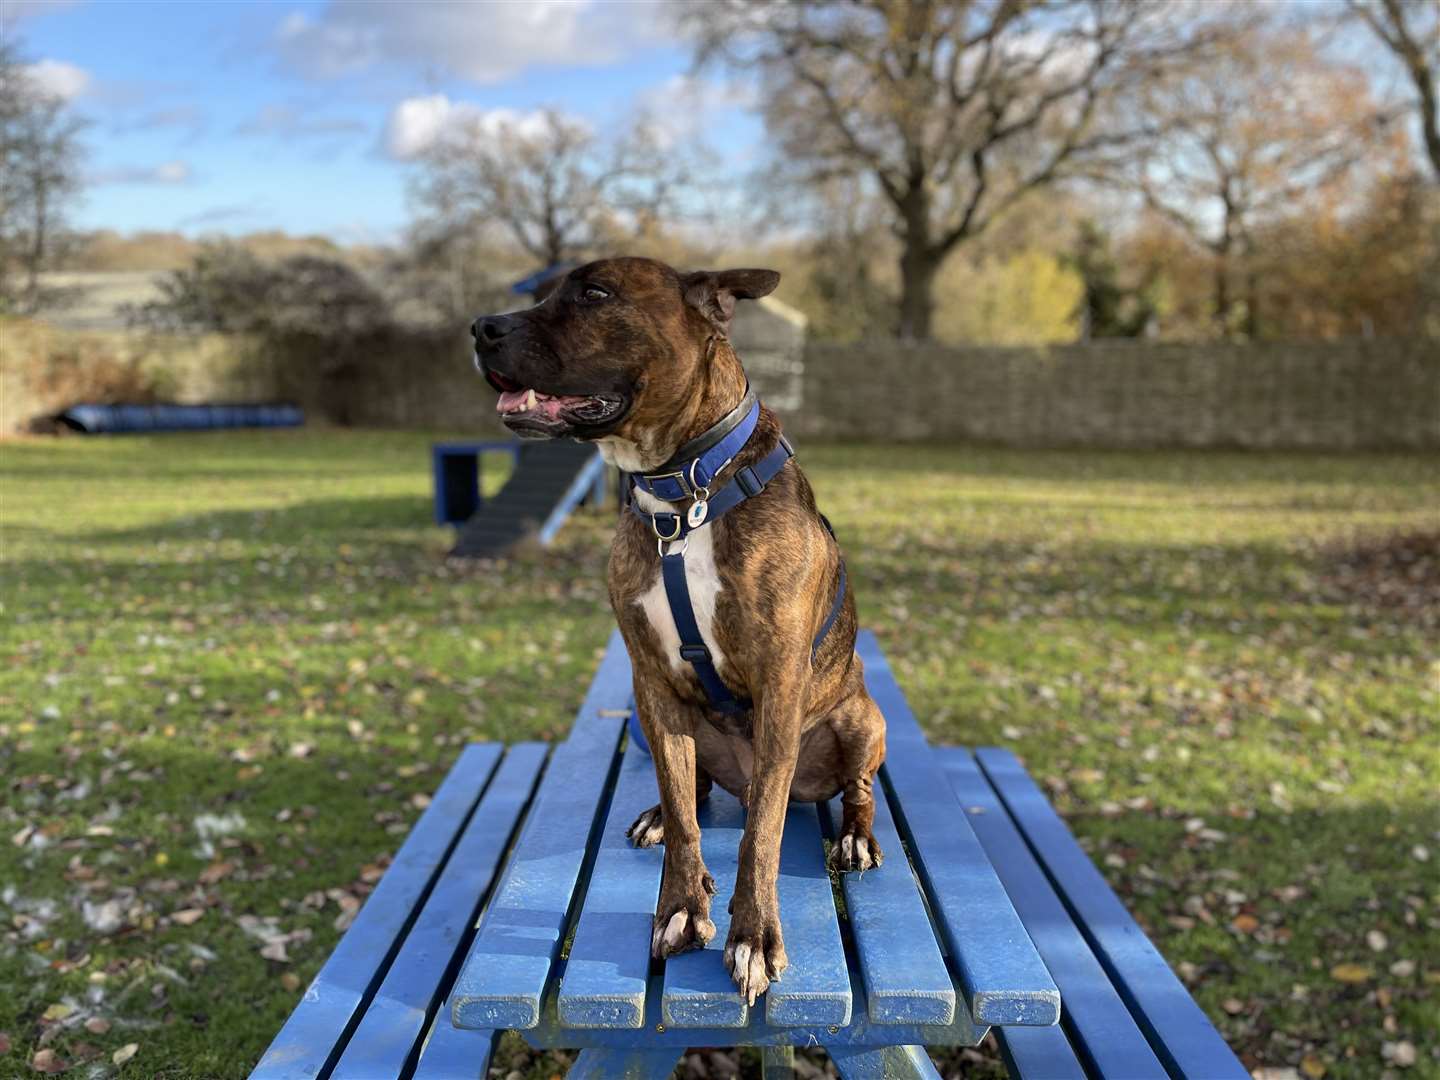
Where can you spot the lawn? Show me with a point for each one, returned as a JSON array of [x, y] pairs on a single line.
[[235, 664]]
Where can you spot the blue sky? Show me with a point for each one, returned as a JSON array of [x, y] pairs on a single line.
[[232, 117]]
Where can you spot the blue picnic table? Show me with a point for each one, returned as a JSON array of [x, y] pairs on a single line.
[[516, 903]]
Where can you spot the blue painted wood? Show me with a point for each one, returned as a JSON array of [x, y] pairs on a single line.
[[777, 1063], [861, 1031], [584, 481], [455, 469], [698, 991], [1179, 1031], [624, 1064], [815, 989], [453, 1054], [308, 1042], [401, 1009], [999, 972], [609, 964], [882, 1063], [905, 976], [504, 978], [1100, 1027], [1039, 1053]]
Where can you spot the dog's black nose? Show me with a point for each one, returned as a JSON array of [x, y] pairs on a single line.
[[488, 329]]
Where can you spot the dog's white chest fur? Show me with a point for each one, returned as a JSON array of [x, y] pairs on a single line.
[[704, 583]]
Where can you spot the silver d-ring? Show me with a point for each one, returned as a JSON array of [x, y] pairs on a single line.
[[655, 527], [660, 546]]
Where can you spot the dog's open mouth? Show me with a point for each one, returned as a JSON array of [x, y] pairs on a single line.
[[524, 406]]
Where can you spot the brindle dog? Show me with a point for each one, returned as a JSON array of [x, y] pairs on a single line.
[[635, 357]]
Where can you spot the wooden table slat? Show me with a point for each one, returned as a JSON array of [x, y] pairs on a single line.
[[308, 1042], [504, 979], [1178, 1029], [1000, 973], [609, 964], [905, 976], [698, 991], [397, 1016], [817, 990], [1100, 1027]]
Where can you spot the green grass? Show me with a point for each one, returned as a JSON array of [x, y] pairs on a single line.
[[262, 628]]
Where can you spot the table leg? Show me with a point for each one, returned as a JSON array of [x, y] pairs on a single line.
[[777, 1062], [607, 1064], [883, 1063]]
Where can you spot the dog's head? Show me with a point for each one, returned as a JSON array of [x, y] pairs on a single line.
[[617, 348]]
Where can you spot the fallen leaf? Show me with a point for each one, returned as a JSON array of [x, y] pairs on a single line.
[[290, 981], [188, 916], [275, 950], [1399, 1053], [1312, 1067], [47, 1061], [216, 871], [1377, 941], [125, 1053], [1402, 969], [4, 1042], [1245, 923], [1351, 973], [58, 1011], [97, 1025], [1233, 1006]]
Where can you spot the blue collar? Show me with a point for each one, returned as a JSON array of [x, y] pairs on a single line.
[[697, 463]]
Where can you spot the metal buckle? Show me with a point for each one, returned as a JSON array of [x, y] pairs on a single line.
[[655, 527], [685, 489]]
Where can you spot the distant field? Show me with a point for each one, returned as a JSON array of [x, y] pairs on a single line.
[[95, 300], [235, 665]]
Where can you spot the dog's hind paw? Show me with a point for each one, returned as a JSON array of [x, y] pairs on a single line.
[[856, 850], [648, 829]]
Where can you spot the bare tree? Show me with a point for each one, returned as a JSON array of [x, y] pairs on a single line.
[[39, 175], [953, 109], [1246, 137], [549, 181], [1410, 29]]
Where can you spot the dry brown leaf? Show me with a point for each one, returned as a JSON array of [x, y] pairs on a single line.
[[97, 1025], [47, 1061], [1245, 923], [290, 981], [188, 916], [1312, 1067]]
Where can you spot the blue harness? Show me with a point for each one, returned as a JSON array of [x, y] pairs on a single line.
[[699, 462]]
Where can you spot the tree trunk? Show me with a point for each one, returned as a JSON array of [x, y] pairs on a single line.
[[919, 262], [917, 294]]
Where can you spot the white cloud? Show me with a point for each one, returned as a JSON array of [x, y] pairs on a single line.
[[482, 43], [292, 122], [417, 123], [56, 77], [169, 172]]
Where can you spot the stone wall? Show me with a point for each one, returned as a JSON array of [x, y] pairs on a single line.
[[1341, 396]]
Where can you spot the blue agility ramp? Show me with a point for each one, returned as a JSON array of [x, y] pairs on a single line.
[[549, 482], [518, 904]]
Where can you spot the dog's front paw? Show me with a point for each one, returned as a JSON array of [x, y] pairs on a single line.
[[755, 953], [648, 829], [682, 918]]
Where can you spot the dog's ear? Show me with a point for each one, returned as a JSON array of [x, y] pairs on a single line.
[[713, 292]]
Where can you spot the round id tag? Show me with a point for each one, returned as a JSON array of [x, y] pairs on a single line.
[[696, 515]]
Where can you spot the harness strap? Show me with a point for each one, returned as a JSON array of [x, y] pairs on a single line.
[[747, 483]]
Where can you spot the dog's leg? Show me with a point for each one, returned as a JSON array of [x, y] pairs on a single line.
[[755, 949], [649, 828], [682, 915], [860, 730]]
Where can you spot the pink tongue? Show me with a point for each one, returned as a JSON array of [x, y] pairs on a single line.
[[510, 400], [513, 401]]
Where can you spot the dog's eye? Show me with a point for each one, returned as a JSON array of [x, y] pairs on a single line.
[[593, 294]]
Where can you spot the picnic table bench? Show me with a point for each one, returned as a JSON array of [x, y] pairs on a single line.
[[517, 903]]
